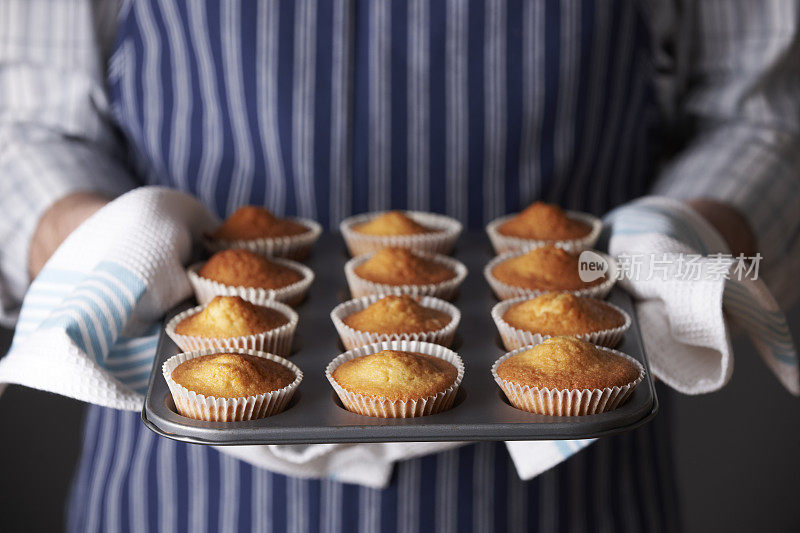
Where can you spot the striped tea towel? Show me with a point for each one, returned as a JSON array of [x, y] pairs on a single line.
[[682, 322], [677, 265], [90, 322]]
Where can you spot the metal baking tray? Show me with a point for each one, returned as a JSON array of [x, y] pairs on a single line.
[[481, 412]]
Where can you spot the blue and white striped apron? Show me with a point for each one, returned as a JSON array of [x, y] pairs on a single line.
[[332, 107]]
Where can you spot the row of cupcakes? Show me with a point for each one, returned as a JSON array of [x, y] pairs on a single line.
[[392, 323], [403, 379], [399, 253], [234, 343], [396, 271], [537, 225], [559, 333]]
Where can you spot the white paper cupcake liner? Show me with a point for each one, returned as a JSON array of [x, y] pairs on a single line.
[[290, 247], [353, 338], [565, 402], [505, 291], [381, 408], [503, 243], [205, 289], [440, 242], [446, 290], [200, 407], [277, 341], [514, 338]]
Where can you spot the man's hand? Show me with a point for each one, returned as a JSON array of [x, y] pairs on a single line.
[[730, 224], [57, 223]]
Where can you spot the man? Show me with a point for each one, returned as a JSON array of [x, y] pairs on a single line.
[[324, 109]]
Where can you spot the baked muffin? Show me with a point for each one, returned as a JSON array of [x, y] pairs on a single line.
[[561, 313], [230, 375], [392, 223], [379, 318], [396, 375], [396, 379], [596, 379], [241, 385], [233, 322], [399, 266], [401, 271], [544, 222], [397, 314], [231, 316], [251, 222], [546, 268], [523, 321], [256, 229], [415, 230], [243, 268], [252, 276]]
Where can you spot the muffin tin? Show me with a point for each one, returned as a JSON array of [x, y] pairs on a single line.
[[480, 411]]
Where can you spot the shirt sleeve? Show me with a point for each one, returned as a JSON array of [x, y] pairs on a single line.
[[739, 93], [55, 134]]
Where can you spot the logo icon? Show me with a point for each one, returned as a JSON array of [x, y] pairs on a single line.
[[591, 266]]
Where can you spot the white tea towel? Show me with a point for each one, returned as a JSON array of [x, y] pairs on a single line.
[[90, 322], [686, 284]]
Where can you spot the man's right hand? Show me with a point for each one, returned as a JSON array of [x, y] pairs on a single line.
[[57, 223]]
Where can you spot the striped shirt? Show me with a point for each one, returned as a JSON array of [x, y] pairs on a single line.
[[327, 108]]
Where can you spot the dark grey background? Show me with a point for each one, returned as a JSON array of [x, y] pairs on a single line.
[[737, 452]]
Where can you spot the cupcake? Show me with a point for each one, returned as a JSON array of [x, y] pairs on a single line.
[[401, 271], [396, 379], [566, 376], [423, 232], [230, 386], [523, 321], [541, 223], [256, 229], [377, 318], [232, 322], [544, 269], [238, 272]]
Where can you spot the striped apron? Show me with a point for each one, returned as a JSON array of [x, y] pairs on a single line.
[[325, 108]]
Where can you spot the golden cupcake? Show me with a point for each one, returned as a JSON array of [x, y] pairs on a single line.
[[379, 318], [256, 278], [233, 322], [401, 271], [542, 223], [397, 314], [230, 375], [561, 313], [415, 230], [251, 222], [392, 223], [243, 268], [399, 266], [244, 385], [395, 375], [258, 230], [525, 320], [546, 268], [231, 316], [566, 376], [396, 379]]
